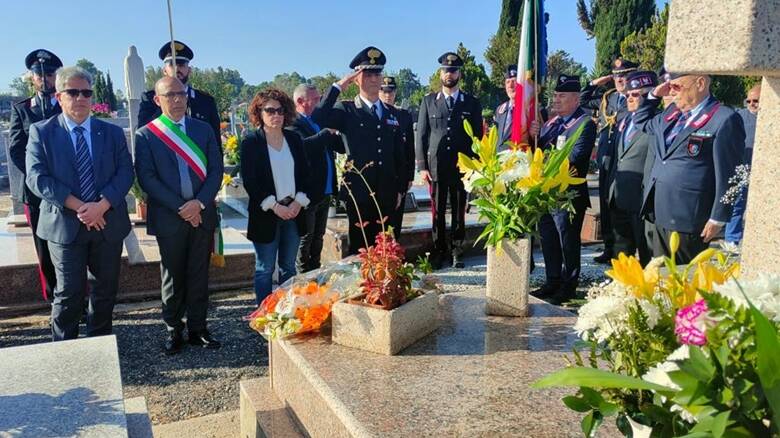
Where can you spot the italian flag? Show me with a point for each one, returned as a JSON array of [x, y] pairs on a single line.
[[531, 68]]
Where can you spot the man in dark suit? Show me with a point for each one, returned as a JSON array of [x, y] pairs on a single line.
[[560, 231], [81, 169], [373, 143], [200, 105], [697, 144], [611, 106], [749, 114], [440, 137], [387, 93], [42, 64], [321, 147], [629, 167], [179, 166]]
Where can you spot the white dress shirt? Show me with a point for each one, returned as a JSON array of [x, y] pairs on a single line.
[[283, 171]]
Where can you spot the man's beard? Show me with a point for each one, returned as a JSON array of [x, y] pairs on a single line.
[[449, 83], [183, 79]]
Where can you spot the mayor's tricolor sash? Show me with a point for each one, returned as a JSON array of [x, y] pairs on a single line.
[[183, 146]]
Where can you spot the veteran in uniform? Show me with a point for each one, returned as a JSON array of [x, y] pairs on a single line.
[[503, 114], [627, 181], [200, 105], [41, 64], [387, 93], [560, 230], [440, 137], [698, 142], [611, 106], [373, 142]]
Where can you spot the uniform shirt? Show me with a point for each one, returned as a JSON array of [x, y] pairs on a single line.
[[377, 105], [454, 95]]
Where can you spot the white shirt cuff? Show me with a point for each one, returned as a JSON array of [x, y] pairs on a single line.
[[718, 223], [268, 203], [302, 199], [337, 86], [651, 96]]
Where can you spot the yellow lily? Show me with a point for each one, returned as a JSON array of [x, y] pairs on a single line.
[[536, 168], [466, 163], [628, 271], [499, 188]]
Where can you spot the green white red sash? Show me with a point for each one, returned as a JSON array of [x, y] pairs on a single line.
[[183, 146], [218, 243]]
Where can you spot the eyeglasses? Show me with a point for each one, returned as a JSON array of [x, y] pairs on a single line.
[[751, 100], [74, 93], [677, 86], [173, 95], [271, 110], [635, 94]]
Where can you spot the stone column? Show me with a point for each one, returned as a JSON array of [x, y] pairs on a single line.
[[740, 37]]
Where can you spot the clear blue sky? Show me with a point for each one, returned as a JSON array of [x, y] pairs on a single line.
[[261, 38]]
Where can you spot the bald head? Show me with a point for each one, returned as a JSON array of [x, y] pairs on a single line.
[[167, 83], [171, 97], [753, 96]]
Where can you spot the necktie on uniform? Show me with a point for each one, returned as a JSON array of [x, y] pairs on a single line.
[[86, 173], [184, 174], [628, 135], [681, 120], [450, 102]]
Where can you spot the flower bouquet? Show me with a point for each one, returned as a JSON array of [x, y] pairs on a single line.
[[231, 151], [680, 351], [102, 110], [297, 309]]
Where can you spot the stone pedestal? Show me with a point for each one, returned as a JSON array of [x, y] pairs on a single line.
[[508, 273], [14, 178]]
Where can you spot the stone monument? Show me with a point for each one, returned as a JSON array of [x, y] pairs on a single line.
[[134, 89], [740, 37]]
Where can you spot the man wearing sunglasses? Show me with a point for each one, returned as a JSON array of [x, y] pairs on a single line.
[[81, 169], [698, 142], [200, 105], [610, 103], [373, 142], [41, 65], [440, 137]]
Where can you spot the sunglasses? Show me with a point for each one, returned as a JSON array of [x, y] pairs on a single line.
[[271, 110], [677, 87], [751, 100], [74, 93], [173, 95], [178, 62], [450, 69], [635, 94]]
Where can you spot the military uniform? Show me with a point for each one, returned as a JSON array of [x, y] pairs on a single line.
[[440, 137], [373, 140], [695, 155], [200, 105], [626, 181], [23, 114], [502, 117], [611, 107]]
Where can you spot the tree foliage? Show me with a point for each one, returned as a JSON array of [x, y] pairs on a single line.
[[558, 63], [611, 21], [505, 43], [511, 11], [88, 66], [474, 80], [22, 86]]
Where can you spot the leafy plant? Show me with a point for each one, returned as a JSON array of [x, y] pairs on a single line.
[[137, 191]]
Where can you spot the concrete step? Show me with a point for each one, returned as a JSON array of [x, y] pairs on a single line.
[[263, 414], [221, 425]]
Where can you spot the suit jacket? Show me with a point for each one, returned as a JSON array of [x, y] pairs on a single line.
[[590, 99], [368, 140], [441, 136], [503, 119], [52, 176], [158, 174], [258, 180], [316, 145], [689, 178], [629, 168], [200, 105], [579, 158], [407, 138], [23, 114], [749, 121]]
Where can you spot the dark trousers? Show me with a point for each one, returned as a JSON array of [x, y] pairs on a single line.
[[184, 266], [560, 236], [605, 218], [310, 248], [629, 234], [397, 218], [46, 272], [371, 225], [440, 192], [89, 255], [690, 245]]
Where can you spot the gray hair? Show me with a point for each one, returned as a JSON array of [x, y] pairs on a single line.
[[302, 89], [65, 74]]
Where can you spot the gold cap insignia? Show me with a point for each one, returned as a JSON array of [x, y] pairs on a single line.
[[179, 46], [372, 55]]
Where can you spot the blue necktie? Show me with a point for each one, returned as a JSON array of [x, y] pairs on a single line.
[[329, 178], [628, 135], [677, 128], [84, 166]]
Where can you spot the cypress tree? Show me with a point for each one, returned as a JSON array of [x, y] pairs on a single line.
[[111, 97], [504, 45]]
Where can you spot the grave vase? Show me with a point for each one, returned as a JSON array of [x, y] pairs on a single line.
[[508, 278]]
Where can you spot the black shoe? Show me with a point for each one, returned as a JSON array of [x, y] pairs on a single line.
[[545, 291], [203, 338], [604, 258], [563, 296], [174, 343]]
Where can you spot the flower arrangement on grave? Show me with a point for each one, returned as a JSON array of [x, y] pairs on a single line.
[[514, 188], [231, 150], [102, 110], [689, 350], [300, 308]]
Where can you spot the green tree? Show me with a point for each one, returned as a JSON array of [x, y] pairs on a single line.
[[224, 85], [99, 89], [110, 96], [511, 10], [407, 83], [88, 66], [152, 75], [558, 63], [22, 86], [610, 21], [474, 80], [324, 82], [505, 43]]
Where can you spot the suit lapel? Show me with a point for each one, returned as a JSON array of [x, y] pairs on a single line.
[[682, 137], [441, 105]]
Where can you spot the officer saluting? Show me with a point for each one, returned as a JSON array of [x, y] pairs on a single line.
[[440, 137], [373, 135], [42, 64], [200, 105]]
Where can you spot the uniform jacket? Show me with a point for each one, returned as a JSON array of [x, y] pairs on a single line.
[[258, 179], [52, 176], [579, 158], [23, 114], [316, 145], [441, 136], [200, 105], [628, 171], [689, 178], [590, 99], [157, 168], [367, 140], [407, 138]]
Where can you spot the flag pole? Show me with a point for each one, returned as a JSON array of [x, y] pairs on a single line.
[[537, 86], [170, 29]]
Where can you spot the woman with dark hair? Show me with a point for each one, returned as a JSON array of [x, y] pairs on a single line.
[[275, 175]]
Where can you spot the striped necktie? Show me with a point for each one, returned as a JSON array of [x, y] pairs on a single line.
[[84, 166], [681, 120]]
